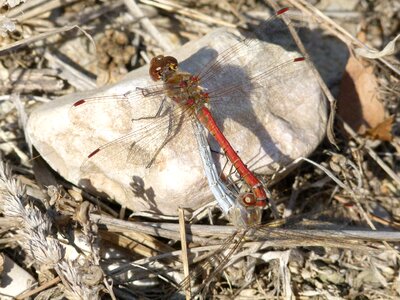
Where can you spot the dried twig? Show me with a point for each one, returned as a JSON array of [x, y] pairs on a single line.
[[185, 259], [335, 28], [28, 41], [193, 14], [146, 23]]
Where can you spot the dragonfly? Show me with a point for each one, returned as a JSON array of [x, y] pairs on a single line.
[[183, 96]]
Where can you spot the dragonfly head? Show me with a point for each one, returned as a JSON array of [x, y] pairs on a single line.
[[162, 67]]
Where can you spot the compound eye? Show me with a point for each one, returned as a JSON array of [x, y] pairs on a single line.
[[156, 66], [157, 73], [171, 62]]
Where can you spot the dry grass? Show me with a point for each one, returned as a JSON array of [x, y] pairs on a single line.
[[325, 246]]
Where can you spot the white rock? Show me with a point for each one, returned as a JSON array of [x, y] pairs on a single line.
[[15, 280], [269, 126]]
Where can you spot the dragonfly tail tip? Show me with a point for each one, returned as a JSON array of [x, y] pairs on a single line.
[[299, 59], [282, 10]]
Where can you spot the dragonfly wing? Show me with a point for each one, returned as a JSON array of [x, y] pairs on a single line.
[[144, 119], [234, 64], [157, 135], [116, 106], [140, 146], [240, 100]]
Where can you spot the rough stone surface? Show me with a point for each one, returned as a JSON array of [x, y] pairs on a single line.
[[270, 123]]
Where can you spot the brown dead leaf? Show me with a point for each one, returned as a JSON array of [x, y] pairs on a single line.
[[382, 131], [358, 103]]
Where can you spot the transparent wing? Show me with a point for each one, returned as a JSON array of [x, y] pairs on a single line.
[[149, 117], [240, 76], [130, 104], [141, 146], [242, 99], [260, 79], [228, 60]]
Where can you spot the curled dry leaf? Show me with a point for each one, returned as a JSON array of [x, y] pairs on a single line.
[[382, 131], [389, 49], [358, 102]]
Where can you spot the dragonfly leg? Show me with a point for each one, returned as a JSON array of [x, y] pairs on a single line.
[[159, 112]]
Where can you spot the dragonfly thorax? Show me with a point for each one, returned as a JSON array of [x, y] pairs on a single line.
[[182, 87], [185, 90]]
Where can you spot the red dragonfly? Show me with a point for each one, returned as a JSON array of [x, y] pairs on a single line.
[[184, 96]]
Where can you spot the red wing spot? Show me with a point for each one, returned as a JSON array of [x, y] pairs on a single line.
[[93, 153], [77, 103], [299, 59], [282, 11]]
